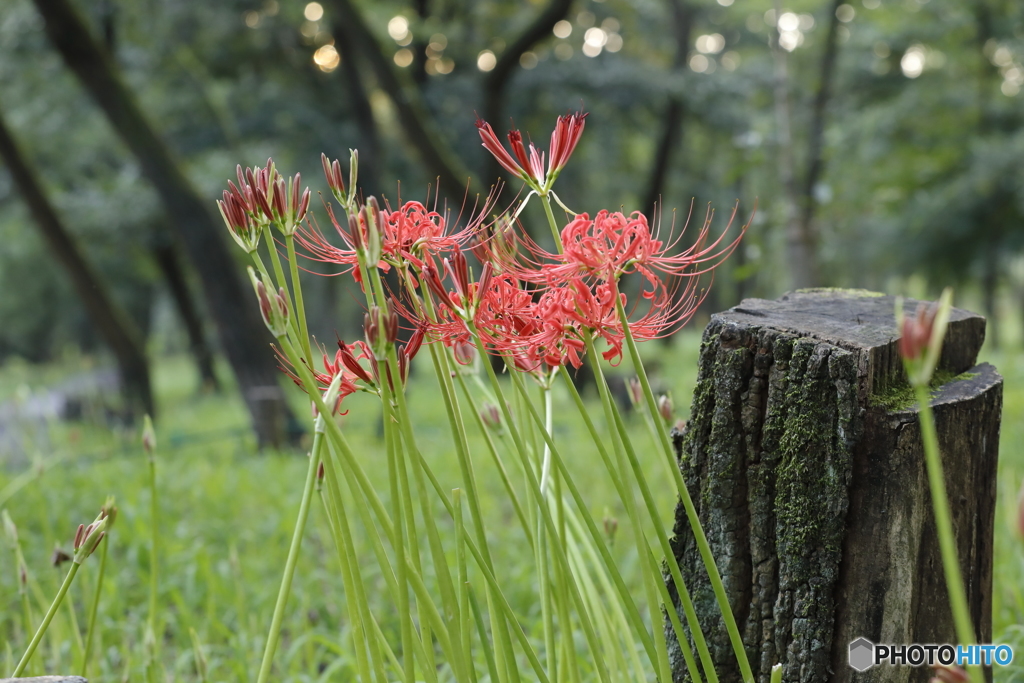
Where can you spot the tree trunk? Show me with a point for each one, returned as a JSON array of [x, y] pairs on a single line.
[[675, 111], [109, 319], [496, 82], [243, 337], [804, 459], [806, 229], [454, 180], [166, 256]]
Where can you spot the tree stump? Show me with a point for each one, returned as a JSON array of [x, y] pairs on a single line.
[[803, 457]]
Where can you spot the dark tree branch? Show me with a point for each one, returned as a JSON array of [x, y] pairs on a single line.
[[109, 319], [359, 100], [683, 16], [499, 76], [167, 259], [242, 334], [816, 138], [419, 126]]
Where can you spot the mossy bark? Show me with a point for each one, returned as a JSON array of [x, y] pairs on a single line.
[[788, 460]]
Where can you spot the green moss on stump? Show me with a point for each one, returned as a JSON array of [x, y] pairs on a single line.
[[900, 397]]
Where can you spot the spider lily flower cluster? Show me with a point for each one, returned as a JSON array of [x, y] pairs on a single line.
[[464, 290]]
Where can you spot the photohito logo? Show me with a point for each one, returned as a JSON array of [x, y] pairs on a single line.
[[864, 654]]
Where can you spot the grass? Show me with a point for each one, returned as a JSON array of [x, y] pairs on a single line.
[[226, 519], [227, 516]]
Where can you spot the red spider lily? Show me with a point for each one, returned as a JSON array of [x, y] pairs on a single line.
[[412, 234], [332, 369], [612, 245], [530, 165]]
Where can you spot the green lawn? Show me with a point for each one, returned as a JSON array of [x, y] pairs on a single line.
[[227, 516]]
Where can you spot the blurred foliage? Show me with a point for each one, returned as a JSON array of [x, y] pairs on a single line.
[[923, 137]]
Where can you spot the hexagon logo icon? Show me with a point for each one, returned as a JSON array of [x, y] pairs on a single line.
[[862, 654]]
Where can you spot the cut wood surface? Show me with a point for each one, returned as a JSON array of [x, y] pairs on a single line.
[[803, 458]]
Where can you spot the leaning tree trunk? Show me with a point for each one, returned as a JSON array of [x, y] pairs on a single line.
[[109, 319], [243, 337], [166, 256], [803, 456]]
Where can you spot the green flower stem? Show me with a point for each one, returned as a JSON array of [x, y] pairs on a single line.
[[34, 643], [550, 215], [691, 512], [363, 483], [624, 625], [496, 457], [293, 322], [154, 544], [465, 609], [590, 634], [944, 525], [443, 371], [300, 306], [398, 500], [346, 547], [93, 607], [352, 599], [293, 554], [621, 472], [656, 650]]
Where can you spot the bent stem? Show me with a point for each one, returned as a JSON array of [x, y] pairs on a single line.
[[684, 494], [293, 555], [944, 526], [46, 621], [91, 632]]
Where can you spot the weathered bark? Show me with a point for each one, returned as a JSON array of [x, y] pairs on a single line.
[[111, 322], [814, 494], [167, 259], [243, 337]]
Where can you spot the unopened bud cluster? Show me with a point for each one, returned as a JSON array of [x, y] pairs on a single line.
[[87, 538]]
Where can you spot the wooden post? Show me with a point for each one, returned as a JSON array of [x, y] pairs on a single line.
[[804, 459]]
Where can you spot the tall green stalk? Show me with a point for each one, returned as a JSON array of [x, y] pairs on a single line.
[[691, 512], [944, 525], [90, 633], [293, 554], [34, 643]]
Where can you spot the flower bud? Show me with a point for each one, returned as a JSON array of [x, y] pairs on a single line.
[[353, 169], [59, 557], [665, 407], [636, 392], [490, 415], [1020, 510], [611, 527], [273, 305], [949, 674], [465, 353], [391, 324], [319, 476], [921, 337], [10, 530], [148, 436]]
